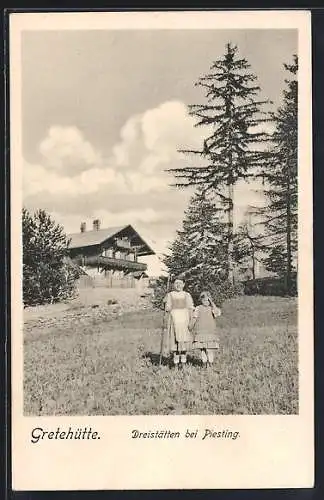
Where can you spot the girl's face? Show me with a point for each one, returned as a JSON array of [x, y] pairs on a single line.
[[178, 285], [205, 301]]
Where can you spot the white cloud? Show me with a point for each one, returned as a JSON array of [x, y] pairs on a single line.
[[66, 148], [38, 179], [137, 164], [168, 128], [150, 141], [130, 139], [92, 180], [140, 183]]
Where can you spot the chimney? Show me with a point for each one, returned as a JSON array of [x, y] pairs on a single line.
[[96, 225], [83, 227]]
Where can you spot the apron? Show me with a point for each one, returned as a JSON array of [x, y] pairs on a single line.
[[179, 337]]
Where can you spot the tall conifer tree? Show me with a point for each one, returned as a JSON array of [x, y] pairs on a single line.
[[231, 152], [281, 184]]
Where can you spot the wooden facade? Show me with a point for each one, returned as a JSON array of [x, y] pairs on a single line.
[[110, 256]]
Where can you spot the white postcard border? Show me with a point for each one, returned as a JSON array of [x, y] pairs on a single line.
[[272, 451]]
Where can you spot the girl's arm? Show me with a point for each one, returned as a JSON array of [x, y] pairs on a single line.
[[190, 305], [215, 310], [194, 317]]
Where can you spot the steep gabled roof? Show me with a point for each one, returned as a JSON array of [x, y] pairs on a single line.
[[90, 238], [98, 237]]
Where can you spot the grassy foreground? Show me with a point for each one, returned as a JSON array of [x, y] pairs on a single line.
[[111, 368]]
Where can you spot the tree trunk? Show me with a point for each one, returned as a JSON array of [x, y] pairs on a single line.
[[253, 263], [288, 235], [230, 234]]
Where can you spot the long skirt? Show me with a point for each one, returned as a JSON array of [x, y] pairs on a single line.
[[179, 337]]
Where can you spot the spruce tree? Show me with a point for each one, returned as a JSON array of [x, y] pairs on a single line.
[[197, 254], [231, 152], [281, 181]]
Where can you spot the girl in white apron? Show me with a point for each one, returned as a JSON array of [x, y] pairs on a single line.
[[179, 305]]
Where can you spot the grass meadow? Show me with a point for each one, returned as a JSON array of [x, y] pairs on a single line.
[[111, 367]]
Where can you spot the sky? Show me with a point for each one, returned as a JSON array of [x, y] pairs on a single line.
[[104, 113]]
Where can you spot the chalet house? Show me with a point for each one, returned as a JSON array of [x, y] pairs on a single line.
[[110, 256]]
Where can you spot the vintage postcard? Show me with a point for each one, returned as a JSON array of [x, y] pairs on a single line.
[[161, 250]]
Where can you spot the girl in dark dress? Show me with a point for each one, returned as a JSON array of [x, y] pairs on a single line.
[[204, 329]]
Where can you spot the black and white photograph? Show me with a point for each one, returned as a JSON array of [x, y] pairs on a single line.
[[160, 219]]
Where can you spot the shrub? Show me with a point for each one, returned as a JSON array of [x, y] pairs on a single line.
[[275, 286], [220, 289], [48, 275], [159, 291]]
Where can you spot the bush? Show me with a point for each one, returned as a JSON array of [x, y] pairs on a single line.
[[159, 291], [48, 284], [48, 275], [275, 286], [220, 289]]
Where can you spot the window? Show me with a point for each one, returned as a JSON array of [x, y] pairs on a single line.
[[109, 252]]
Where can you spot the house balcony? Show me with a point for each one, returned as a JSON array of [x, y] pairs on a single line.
[[123, 244], [111, 263]]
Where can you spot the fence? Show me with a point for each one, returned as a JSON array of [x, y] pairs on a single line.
[[108, 282]]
